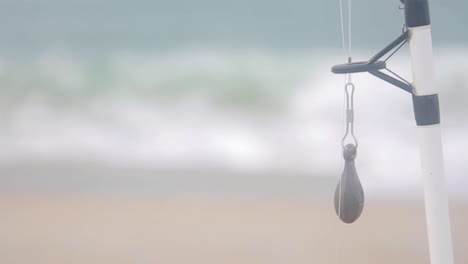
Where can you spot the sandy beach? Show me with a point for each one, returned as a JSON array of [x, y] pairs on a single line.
[[85, 229]]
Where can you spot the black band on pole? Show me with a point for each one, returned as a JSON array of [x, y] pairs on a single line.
[[426, 109], [417, 13]]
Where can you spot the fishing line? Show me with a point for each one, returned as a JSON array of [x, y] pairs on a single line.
[[349, 195], [347, 102], [349, 33], [344, 97], [347, 55]]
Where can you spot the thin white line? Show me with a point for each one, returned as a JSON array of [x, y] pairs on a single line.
[[342, 30], [349, 28], [343, 39], [347, 77]]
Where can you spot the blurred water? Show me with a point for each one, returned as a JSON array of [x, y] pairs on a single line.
[[104, 26], [239, 88], [245, 113]]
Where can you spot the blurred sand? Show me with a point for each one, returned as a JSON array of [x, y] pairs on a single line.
[[39, 229]]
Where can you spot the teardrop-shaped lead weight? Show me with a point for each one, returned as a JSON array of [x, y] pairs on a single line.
[[349, 195]]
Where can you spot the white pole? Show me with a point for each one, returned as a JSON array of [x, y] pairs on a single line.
[[426, 107]]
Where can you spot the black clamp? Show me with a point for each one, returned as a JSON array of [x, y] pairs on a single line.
[[374, 65]]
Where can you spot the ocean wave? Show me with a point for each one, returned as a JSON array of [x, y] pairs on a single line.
[[246, 112]]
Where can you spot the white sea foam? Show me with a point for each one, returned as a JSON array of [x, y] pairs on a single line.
[[248, 112]]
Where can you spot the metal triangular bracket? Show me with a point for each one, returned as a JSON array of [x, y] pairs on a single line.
[[374, 65]]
